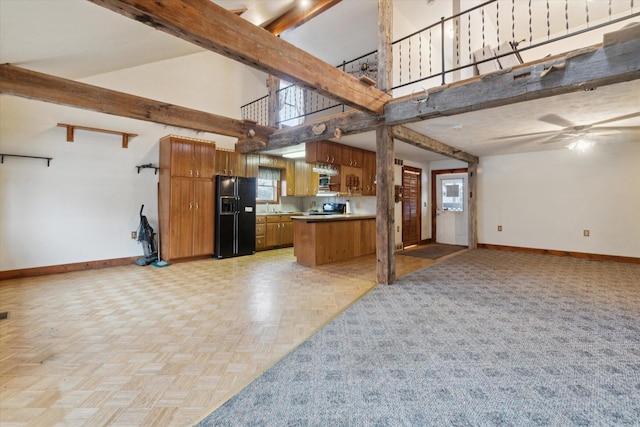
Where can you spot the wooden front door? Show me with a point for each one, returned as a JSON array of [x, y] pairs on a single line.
[[411, 190]]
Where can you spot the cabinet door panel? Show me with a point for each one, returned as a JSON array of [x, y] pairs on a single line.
[[273, 234], [287, 233], [181, 211], [203, 221], [204, 160], [181, 158]]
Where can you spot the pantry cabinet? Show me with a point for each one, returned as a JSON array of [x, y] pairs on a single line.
[[186, 198]]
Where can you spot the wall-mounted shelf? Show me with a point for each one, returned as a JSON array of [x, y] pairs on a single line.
[[3, 155], [148, 166], [71, 129]]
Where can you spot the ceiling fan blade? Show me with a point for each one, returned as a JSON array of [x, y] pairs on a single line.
[[531, 135], [617, 119], [554, 119], [616, 128]]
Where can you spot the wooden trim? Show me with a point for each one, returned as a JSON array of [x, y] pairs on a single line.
[[554, 252], [298, 15], [212, 27], [65, 268]]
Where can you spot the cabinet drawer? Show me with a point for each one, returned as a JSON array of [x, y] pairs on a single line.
[[260, 228], [260, 243], [260, 219], [286, 218], [273, 218]]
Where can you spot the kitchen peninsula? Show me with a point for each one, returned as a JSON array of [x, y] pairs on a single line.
[[323, 239]]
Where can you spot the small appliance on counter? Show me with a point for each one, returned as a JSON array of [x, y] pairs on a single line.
[[331, 209]]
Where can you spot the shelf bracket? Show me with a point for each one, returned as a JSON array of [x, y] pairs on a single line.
[[3, 155], [71, 130], [148, 166]]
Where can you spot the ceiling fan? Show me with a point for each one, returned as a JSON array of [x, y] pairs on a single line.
[[578, 136], [364, 69]]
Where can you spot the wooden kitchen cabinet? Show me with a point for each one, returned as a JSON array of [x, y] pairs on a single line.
[[350, 180], [352, 156], [261, 230], [323, 152], [289, 182], [187, 157], [306, 179], [252, 162], [190, 228], [369, 173], [186, 203], [230, 163], [278, 231]]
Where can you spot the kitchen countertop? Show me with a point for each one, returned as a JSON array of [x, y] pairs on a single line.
[[333, 217]]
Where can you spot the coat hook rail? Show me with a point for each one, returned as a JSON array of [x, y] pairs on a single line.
[[3, 155]]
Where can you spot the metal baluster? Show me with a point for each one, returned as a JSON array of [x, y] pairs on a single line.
[[409, 40], [566, 15], [430, 53], [457, 31], [420, 54], [513, 20], [400, 62], [586, 8], [548, 21], [498, 23], [482, 14], [469, 31], [609, 10], [530, 22]]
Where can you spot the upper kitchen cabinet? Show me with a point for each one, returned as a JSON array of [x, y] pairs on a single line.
[[352, 156], [230, 163], [289, 182], [369, 173], [323, 152], [187, 158], [306, 179], [252, 162], [272, 161]]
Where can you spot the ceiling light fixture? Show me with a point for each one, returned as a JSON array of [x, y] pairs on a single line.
[[580, 145], [294, 155]]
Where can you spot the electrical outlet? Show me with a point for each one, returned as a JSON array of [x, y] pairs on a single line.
[[585, 233], [134, 235], [499, 228]]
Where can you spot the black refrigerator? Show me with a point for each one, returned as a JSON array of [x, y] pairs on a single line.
[[235, 227]]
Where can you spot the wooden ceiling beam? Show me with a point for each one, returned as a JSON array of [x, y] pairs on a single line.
[[24, 83], [419, 140], [298, 15], [210, 26], [579, 70]]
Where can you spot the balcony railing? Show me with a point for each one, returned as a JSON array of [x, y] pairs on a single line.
[[492, 35]]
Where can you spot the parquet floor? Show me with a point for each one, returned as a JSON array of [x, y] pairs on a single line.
[[161, 346]]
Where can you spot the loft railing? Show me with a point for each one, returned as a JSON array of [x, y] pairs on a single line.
[[492, 35]]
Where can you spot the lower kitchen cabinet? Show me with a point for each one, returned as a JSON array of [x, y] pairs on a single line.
[[261, 229], [273, 231]]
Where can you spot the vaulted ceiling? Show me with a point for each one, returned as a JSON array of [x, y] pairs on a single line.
[[76, 39]]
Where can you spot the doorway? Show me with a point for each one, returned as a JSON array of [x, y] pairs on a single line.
[[450, 195], [411, 201]]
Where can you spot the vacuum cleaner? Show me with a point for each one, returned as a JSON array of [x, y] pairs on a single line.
[[146, 236]]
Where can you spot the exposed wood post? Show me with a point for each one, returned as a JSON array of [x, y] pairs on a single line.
[[385, 204], [472, 210], [273, 84]]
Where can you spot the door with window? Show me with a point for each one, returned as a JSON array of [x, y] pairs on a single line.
[[451, 217], [411, 191]]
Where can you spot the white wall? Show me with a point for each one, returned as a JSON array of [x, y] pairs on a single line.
[[84, 207], [546, 199]]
